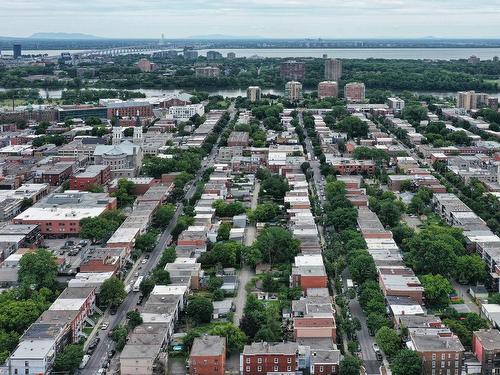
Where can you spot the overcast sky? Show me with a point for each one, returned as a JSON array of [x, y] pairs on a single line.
[[266, 18]]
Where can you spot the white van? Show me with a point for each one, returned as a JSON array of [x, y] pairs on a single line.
[[84, 361]]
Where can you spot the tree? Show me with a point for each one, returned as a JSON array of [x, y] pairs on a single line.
[[163, 215], [350, 365], [8, 342], [362, 267], [227, 254], [388, 340], [342, 218], [414, 113], [277, 245], [147, 241], [112, 292], [134, 319], [275, 186], [389, 212], [38, 268], [470, 269], [251, 256], [124, 193], [168, 256], [119, 336], [147, 286], [376, 321], [69, 359], [264, 212], [353, 126], [200, 309], [236, 339], [214, 283], [406, 362], [161, 276], [224, 231], [437, 289], [223, 209]]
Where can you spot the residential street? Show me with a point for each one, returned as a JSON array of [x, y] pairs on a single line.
[[246, 272]]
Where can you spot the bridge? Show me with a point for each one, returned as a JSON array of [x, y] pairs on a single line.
[[116, 51]]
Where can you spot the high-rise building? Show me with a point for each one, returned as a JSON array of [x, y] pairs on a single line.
[[254, 93], [231, 55], [146, 66], [293, 91], [293, 70], [190, 54], [493, 102], [207, 71], [396, 104], [17, 50], [354, 92], [466, 100], [214, 55], [474, 60], [333, 69], [328, 89]]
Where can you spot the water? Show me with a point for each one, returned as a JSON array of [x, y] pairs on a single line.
[[231, 93], [365, 53], [344, 53]]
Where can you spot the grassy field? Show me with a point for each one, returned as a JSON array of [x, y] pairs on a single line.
[[7, 103]]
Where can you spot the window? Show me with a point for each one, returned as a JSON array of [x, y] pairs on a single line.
[[433, 356], [288, 368], [247, 369], [443, 356], [456, 355], [456, 363], [259, 360], [288, 360], [15, 371], [259, 368], [433, 364], [275, 360], [275, 368], [433, 372], [248, 360], [27, 371], [442, 364], [320, 368], [26, 363]]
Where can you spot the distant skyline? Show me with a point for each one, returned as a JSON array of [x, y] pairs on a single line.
[[264, 18]]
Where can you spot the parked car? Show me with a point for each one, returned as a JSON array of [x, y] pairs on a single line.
[[104, 325]]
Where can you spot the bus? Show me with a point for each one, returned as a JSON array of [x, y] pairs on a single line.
[[137, 284], [84, 361]]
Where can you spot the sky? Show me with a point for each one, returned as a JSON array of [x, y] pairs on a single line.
[[263, 18]]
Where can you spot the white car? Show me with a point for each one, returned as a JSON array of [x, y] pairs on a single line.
[[104, 325], [144, 261]]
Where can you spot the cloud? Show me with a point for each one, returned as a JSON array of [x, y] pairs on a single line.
[[277, 18]]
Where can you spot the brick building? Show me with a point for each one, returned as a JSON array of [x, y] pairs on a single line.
[[293, 70], [262, 358], [208, 356], [486, 348], [94, 175]]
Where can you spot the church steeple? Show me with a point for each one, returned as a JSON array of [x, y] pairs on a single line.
[[138, 140], [117, 130]]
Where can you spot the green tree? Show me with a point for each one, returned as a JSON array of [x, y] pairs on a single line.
[[147, 241], [38, 268], [406, 362], [134, 319], [388, 340], [214, 283], [69, 359], [124, 193], [470, 269], [200, 309], [376, 321], [226, 254], [437, 289], [147, 286], [353, 126], [264, 212], [414, 113], [277, 245], [224, 231], [362, 267], [168, 256], [112, 292], [350, 365], [275, 186], [8, 342], [119, 336], [251, 256], [163, 215]]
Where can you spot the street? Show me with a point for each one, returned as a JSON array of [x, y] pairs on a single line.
[[100, 356], [246, 272]]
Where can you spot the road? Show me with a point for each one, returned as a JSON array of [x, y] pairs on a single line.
[[99, 356], [246, 272]]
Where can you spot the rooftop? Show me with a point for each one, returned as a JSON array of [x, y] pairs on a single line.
[[208, 346]]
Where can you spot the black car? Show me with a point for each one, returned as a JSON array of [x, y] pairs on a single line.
[[139, 301], [112, 310]]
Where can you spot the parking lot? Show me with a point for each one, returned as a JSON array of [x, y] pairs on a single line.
[[72, 250]]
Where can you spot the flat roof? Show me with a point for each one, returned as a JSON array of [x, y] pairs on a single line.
[[207, 345]]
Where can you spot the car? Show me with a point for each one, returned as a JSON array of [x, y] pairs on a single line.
[[83, 243], [90, 351], [136, 274], [144, 261], [146, 256], [111, 353], [139, 301], [104, 325], [375, 347], [112, 310]]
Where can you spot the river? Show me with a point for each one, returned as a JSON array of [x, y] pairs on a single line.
[[231, 93], [343, 53]]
